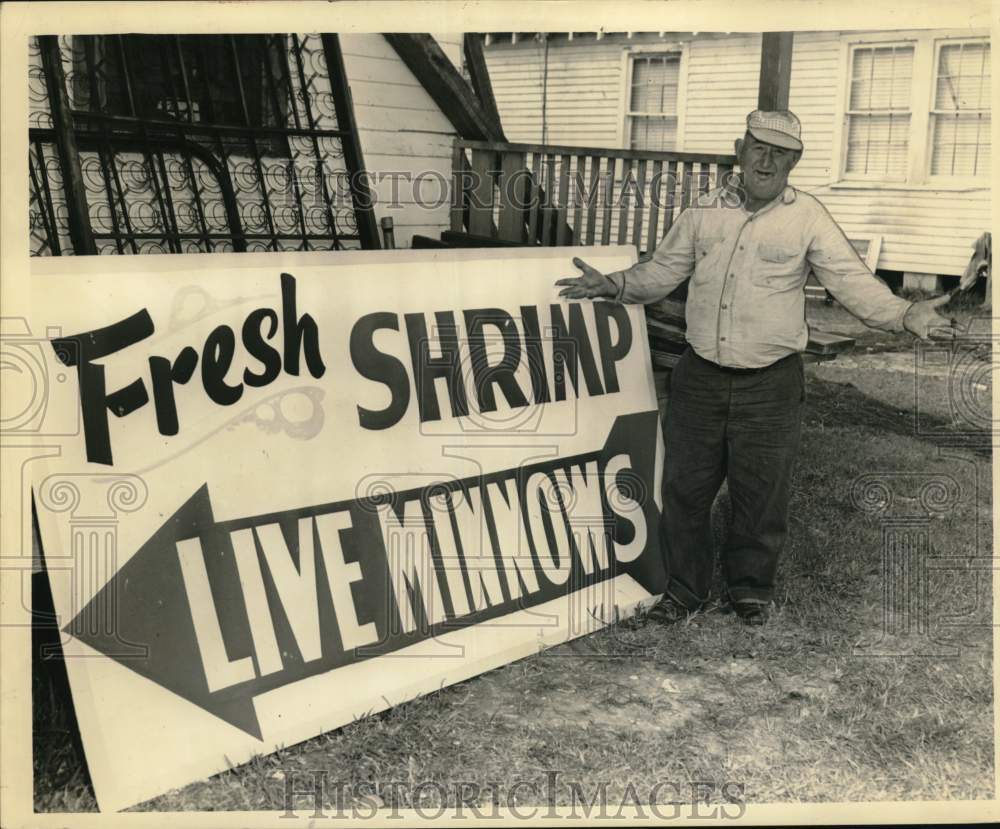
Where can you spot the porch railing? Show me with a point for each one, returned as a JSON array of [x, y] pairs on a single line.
[[539, 194]]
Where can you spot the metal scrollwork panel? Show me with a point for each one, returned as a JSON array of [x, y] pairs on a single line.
[[48, 212], [39, 110], [193, 184]]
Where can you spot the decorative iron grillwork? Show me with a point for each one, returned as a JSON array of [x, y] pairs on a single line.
[[199, 143]]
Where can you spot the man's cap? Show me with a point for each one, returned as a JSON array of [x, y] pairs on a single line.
[[780, 128]]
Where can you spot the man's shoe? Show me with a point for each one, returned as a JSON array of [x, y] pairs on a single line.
[[668, 611], [752, 613]]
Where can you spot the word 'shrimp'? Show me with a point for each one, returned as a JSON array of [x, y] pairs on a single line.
[[571, 352]]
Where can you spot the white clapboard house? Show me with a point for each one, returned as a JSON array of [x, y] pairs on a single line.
[[896, 124]]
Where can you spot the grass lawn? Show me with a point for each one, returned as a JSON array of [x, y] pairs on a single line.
[[822, 704]]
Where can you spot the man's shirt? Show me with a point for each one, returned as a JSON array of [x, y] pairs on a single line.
[[746, 297]]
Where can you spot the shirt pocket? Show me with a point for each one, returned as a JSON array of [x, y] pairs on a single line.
[[706, 252], [705, 245], [778, 266]]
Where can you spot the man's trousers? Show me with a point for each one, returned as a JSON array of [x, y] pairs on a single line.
[[740, 425]]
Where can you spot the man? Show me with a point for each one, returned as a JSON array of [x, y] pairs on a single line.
[[736, 393]]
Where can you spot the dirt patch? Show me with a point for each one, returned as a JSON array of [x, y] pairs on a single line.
[[952, 390], [937, 410]]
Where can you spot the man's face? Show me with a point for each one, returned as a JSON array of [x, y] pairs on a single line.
[[765, 167]]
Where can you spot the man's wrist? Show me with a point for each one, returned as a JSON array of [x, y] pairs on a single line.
[[613, 288]]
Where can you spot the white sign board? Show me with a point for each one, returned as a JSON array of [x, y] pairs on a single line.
[[293, 490]]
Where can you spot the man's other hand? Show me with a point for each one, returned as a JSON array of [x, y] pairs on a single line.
[[592, 284], [923, 320]]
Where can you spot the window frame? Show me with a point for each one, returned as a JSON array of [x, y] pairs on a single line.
[[939, 43], [629, 53], [912, 108], [926, 49], [269, 144]]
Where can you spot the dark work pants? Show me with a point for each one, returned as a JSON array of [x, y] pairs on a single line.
[[740, 426]]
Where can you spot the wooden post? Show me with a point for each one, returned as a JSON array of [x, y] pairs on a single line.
[[511, 191], [364, 203], [578, 187], [548, 211], [655, 188], [637, 217], [775, 70], [459, 200], [481, 194], [534, 197], [479, 74], [562, 228], [80, 231], [668, 212], [593, 197], [606, 205], [443, 82], [388, 234], [623, 201]]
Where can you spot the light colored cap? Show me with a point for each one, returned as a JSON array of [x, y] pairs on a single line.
[[780, 128]]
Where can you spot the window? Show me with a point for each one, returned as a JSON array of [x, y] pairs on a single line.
[[652, 107], [960, 119], [917, 110], [190, 78], [878, 118]]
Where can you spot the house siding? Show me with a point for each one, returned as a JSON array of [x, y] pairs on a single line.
[[924, 230], [721, 88], [404, 136], [582, 91]]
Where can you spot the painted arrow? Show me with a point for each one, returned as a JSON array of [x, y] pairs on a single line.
[[148, 601], [149, 605]]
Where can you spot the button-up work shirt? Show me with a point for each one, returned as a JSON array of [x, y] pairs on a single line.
[[748, 270]]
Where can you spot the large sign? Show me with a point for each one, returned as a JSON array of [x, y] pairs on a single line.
[[293, 490]]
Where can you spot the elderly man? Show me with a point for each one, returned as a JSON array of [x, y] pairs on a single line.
[[736, 394]]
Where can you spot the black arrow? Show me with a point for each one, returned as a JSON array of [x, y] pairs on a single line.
[[146, 603]]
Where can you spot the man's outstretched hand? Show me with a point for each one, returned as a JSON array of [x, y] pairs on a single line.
[[592, 284], [923, 320]]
